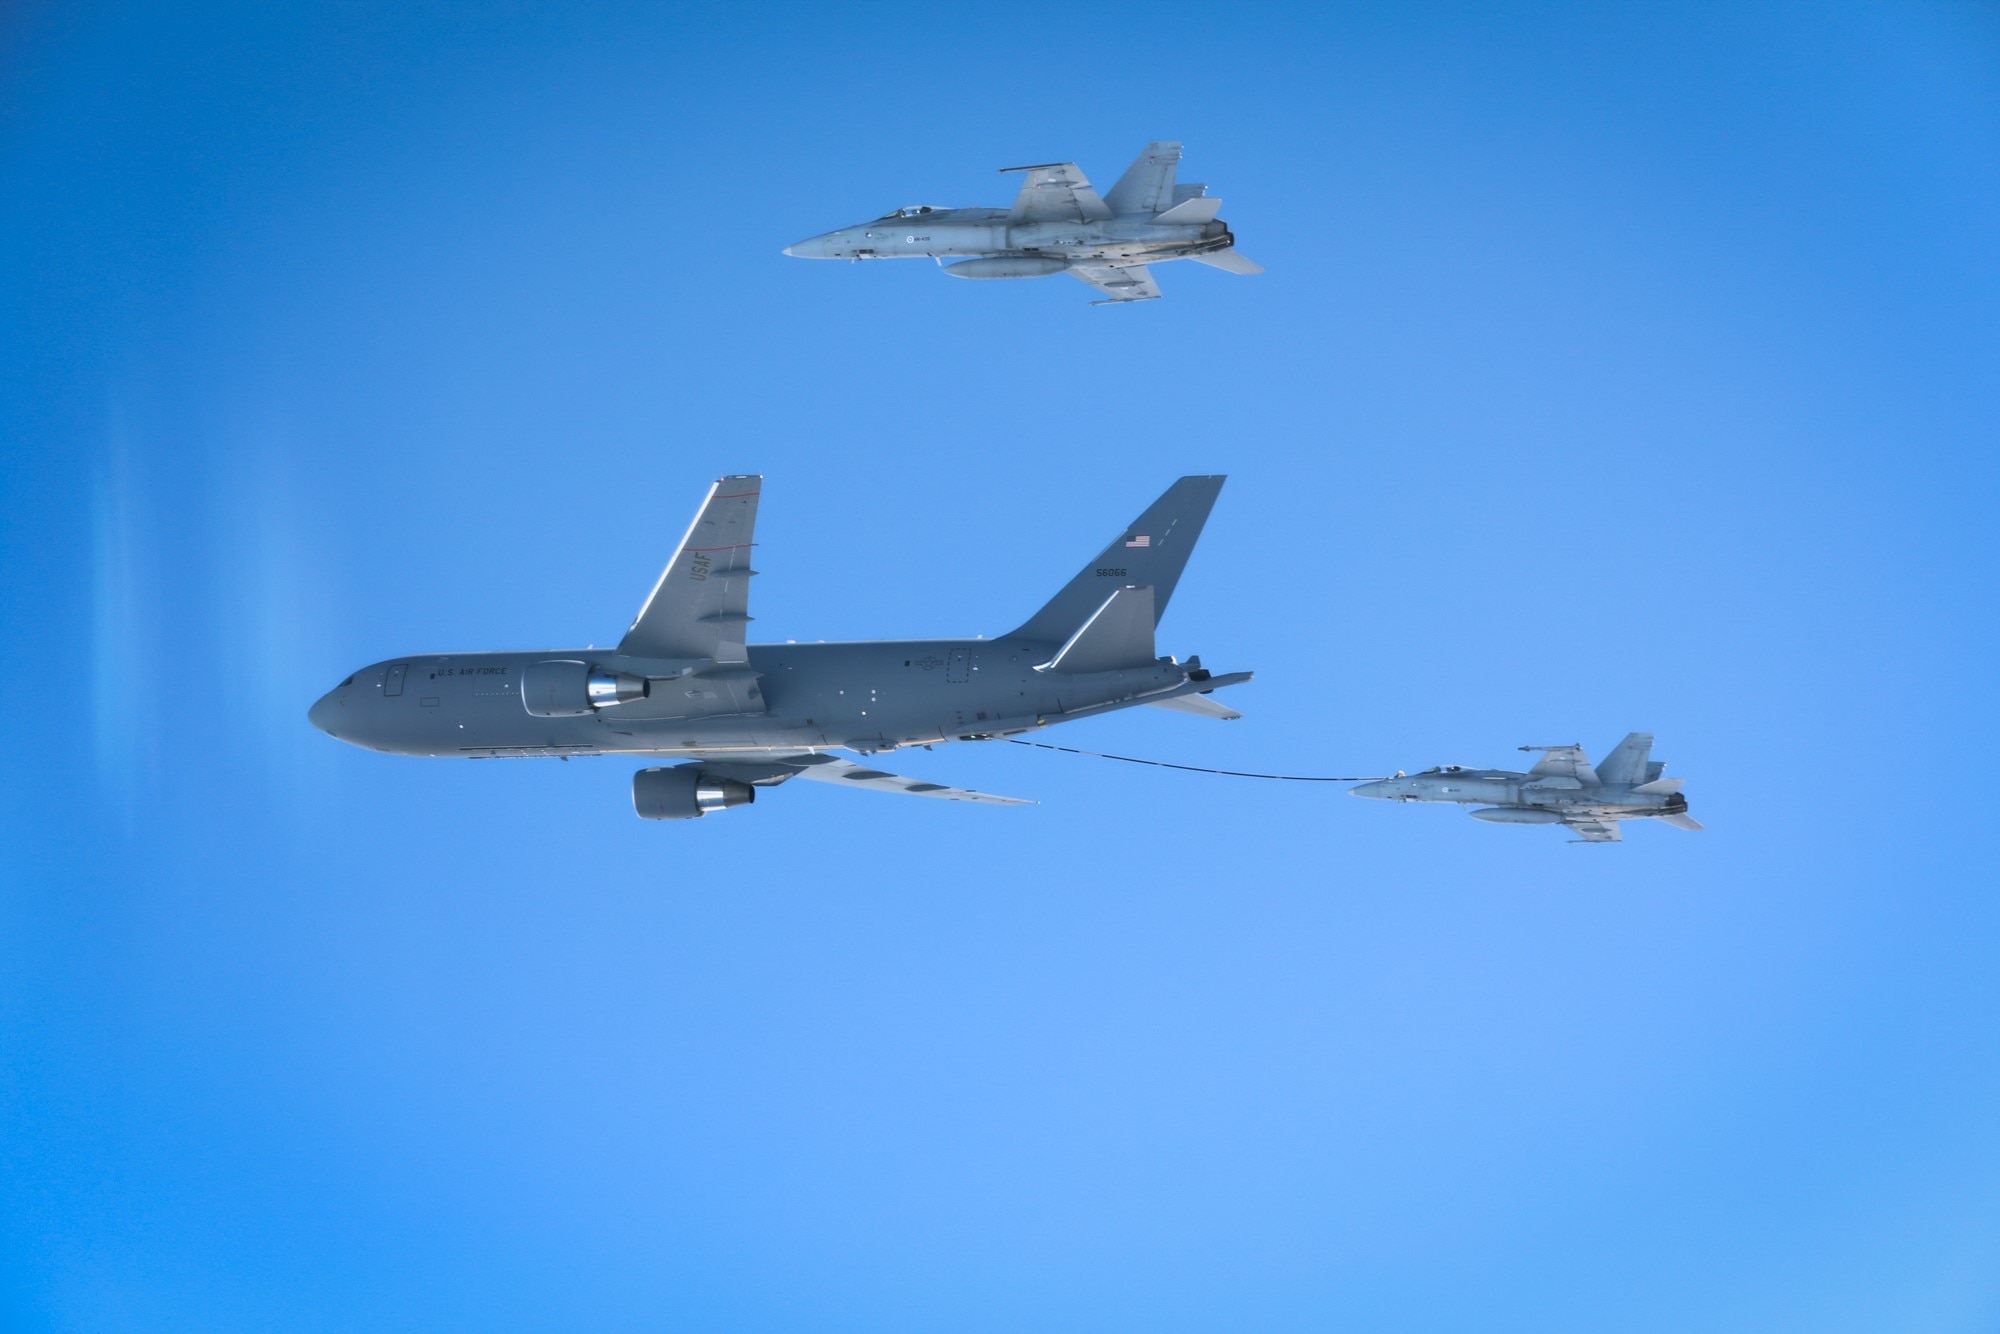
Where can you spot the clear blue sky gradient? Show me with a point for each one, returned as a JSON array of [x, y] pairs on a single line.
[[1617, 367]]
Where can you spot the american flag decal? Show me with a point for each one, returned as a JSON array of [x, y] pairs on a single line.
[[1140, 541]]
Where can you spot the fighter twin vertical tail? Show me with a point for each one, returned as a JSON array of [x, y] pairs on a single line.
[[1148, 184]]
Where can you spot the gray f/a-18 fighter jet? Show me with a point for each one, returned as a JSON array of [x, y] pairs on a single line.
[[743, 716], [1563, 788], [1058, 224]]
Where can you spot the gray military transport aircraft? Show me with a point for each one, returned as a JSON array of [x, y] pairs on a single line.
[[1563, 788], [746, 716], [1058, 224]]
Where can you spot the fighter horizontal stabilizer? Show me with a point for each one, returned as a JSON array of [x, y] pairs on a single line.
[[1659, 787], [1118, 635], [846, 773], [700, 605], [1682, 820], [1230, 261], [1201, 706]]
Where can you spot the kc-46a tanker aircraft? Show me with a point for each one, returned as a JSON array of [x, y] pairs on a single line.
[[1563, 788], [683, 681], [1058, 224]]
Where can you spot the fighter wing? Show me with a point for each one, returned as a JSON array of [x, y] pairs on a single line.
[[1056, 192], [846, 773], [699, 607], [1126, 282], [1563, 762], [1594, 831]]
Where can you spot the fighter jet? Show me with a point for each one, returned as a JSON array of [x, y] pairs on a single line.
[[1058, 224], [1563, 788], [744, 717]]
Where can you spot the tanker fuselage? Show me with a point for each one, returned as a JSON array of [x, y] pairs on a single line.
[[861, 696]]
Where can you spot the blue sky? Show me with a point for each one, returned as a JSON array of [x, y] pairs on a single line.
[[1614, 370]]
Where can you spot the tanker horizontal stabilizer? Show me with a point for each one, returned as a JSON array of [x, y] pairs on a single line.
[[1228, 261], [1201, 706], [1117, 636]]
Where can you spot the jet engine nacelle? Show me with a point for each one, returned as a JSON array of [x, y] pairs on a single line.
[[1515, 815], [685, 793], [567, 688], [1007, 266]]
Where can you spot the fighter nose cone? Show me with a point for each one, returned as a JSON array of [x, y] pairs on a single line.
[[1369, 790], [325, 713], [813, 247]]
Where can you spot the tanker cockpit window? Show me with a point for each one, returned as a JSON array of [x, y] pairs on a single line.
[[348, 682]]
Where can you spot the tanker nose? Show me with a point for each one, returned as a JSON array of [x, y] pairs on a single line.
[[326, 713]]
